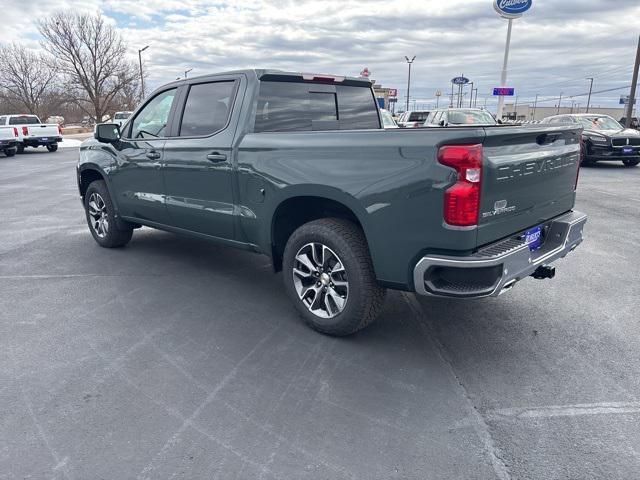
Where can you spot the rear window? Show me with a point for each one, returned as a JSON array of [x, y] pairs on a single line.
[[291, 106], [418, 116], [23, 120]]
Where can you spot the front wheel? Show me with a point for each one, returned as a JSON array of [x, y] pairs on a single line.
[[328, 274], [630, 162], [52, 147], [101, 217], [10, 152]]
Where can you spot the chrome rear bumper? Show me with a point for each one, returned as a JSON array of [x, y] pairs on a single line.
[[494, 269]]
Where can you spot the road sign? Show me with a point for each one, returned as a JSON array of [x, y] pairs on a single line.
[[624, 100], [460, 80], [504, 91], [512, 8], [393, 92]]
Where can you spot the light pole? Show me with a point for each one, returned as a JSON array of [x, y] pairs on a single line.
[[187, 71], [589, 98], [471, 97], [141, 75], [535, 106], [409, 78]]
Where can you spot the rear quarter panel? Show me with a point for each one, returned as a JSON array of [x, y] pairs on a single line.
[[390, 180]]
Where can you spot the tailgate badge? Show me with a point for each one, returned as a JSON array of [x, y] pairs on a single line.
[[499, 207]]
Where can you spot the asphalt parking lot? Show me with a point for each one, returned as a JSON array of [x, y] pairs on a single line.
[[175, 358]]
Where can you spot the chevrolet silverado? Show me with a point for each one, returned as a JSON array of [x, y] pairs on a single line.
[[298, 167]]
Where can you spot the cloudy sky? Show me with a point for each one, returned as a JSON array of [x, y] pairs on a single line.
[[555, 47]]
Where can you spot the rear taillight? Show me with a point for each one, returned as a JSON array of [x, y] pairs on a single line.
[[59, 130], [25, 131], [462, 200], [15, 132]]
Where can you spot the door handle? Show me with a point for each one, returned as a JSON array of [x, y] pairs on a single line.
[[153, 155], [217, 157]]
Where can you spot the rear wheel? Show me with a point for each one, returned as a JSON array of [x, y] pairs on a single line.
[[630, 162], [52, 147], [20, 149], [329, 277], [101, 217]]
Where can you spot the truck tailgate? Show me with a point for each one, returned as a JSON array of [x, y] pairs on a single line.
[[43, 130], [529, 177]]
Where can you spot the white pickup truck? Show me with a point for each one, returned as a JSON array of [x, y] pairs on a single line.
[[32, 132], [8, 140]]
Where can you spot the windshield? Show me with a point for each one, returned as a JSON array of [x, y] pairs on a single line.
[[470, 117], [387, 119], [23, 120], [599, 123]]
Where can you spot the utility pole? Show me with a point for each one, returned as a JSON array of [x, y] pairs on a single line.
[[589, 98], [634, 84], [141, 75], [475, 101], [471, 96], [535, 106], [559, 102], [409, 78]]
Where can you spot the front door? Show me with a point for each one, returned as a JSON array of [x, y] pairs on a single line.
[[137, 180], [197, 163]]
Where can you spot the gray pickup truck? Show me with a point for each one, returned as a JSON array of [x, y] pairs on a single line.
[[298, 167]]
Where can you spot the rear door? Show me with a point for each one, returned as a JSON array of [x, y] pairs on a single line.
[[529, 177], [198, 160]]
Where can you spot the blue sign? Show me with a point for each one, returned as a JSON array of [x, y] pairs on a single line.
[[460, 80], [504, 91], [512, 8], [380, 102]]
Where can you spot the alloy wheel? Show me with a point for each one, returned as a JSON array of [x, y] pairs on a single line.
[[320, 280], [98, 215]]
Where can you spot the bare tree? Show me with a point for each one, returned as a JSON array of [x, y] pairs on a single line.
[[28, 80], [92, 57]]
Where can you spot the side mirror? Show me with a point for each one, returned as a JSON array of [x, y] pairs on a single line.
[[499, 122], [107, 132], [442, 123]]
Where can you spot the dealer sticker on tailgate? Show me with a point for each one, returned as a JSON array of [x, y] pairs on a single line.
[[533, 238]]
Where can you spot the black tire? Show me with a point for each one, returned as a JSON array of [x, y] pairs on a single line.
[[630, 162], [10, 152], [20, 149], [364, 297], [52, 147], [114, 236]]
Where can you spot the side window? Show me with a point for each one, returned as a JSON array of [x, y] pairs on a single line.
[[151, 121], [293, 106], [207, 108], [357, 108], [3, 120]]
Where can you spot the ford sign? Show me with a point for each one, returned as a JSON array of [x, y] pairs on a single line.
[[512, 8], [460, 80]]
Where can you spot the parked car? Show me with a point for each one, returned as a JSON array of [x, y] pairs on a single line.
[[459, 116], [412, 118], [298, 167], [8, 140], [121, 117], [387, 119], [604, 138], [32, 132]]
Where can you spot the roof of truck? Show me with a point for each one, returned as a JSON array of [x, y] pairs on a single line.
[[271, 72]]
